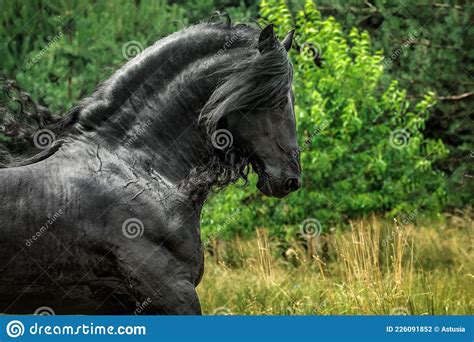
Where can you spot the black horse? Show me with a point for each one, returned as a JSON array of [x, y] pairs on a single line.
[[106, 219]]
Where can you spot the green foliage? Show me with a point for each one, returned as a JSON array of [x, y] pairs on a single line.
[[427, 47], [362, 146]]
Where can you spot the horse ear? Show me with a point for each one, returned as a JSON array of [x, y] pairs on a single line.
[[288, 40], [267, 39]]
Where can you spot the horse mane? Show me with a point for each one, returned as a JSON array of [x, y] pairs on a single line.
[[109, 96], [254, 81], [251, 81]]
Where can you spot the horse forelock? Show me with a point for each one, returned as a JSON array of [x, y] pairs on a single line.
[[256, 81]]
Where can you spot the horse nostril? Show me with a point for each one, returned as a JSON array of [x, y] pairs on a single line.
[[292, 184]]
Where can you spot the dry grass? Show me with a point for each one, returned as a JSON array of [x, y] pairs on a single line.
[[375, 268]]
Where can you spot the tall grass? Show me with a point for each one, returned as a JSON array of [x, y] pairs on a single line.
[[375, 268]]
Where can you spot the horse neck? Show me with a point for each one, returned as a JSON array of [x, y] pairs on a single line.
[[148, 112]]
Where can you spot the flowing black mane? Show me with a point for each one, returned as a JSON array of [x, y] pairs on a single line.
[[247, 79], [251, 81], [202, 73]]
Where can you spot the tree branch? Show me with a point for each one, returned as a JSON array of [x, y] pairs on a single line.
[[456, 97]]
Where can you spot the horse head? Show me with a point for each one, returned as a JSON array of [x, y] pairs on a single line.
[[260, 114]]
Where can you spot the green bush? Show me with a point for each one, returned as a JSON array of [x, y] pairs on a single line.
[[362, 150], [427, 47]]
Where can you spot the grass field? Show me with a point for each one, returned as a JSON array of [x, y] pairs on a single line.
[[376, 267]]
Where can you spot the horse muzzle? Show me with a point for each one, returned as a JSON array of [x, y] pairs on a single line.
[[274, 188]]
